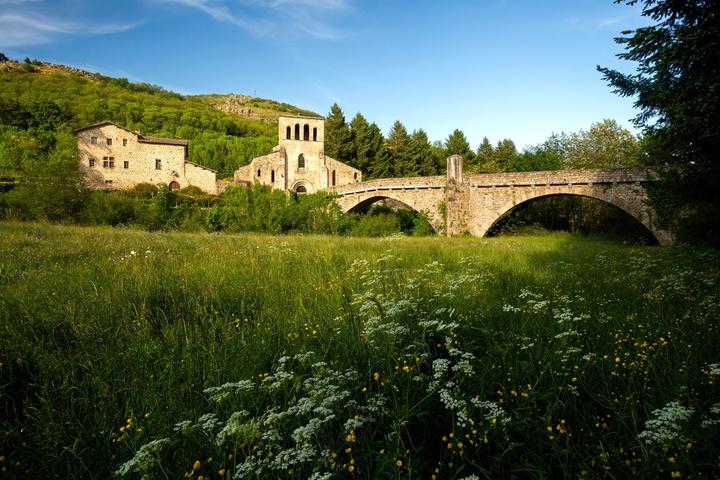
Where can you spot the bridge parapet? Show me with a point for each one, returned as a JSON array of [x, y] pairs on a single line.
[[407, 183], [562, 177]]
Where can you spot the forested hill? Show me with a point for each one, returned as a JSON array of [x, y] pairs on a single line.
[[225, 131]]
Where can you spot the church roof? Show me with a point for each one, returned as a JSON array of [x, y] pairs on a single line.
[[141, 138]]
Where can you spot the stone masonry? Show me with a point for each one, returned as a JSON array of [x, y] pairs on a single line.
[[458, 204], [112, 158], [298, 163]]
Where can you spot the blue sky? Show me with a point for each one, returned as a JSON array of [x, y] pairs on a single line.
[[496, 68]]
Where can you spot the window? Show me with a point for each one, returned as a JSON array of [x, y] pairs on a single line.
[[126, 164], [108, 182], [272, 176], [109, 141], [158, 164], [306, 132], [297, 131], [108, 162], [333, 178], [315, 134], [91, 163], [124, 142], [301, 161], [355, 175], [258, 172], [93, 140], [288, 133]]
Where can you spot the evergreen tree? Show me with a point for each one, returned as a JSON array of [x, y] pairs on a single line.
[[368, 140], [399, 150], [457, 144], [338, 137], [485, 158], [383, 166], [504, 154], [421, 154], [676, 90]]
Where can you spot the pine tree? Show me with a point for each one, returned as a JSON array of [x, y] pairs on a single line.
[[485, 158], [676, 90], [368, 139], [421, 154], [338, 137], [504, 154], [399, 150], [457, 144]]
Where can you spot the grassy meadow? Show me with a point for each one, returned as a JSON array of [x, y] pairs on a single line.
[[170, 355]]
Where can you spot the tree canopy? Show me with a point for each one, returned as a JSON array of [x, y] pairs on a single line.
[[676, 87]]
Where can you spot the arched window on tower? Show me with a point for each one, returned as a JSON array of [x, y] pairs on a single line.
[[333, 178], [301, 161], [315, 134], [297, 131], [306, 132], [288, 132]]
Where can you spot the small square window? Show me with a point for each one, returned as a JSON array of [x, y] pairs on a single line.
[[124, 142], [109, 141], [108, 182], [91, 163], [93, 140], [126, 164], [158, 164]]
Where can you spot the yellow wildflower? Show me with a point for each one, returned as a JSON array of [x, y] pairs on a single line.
[[196, 465]]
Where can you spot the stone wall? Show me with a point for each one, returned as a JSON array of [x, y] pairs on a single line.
[[272, 170], [313, 173], [344, 174], [134, 161]]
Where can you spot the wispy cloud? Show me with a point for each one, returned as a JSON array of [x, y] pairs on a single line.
[[267, 17], [20, 28], [629, 17]]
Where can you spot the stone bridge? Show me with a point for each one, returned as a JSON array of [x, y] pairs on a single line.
[[456, 204]]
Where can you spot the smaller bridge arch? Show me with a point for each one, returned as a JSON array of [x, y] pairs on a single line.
[[422, 194]]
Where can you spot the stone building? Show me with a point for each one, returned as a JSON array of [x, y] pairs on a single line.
[[114, 158], [298, 163]]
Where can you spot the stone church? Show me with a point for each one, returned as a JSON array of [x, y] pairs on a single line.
[[115, 158], [298, 163]]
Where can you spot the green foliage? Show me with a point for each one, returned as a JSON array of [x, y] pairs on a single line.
[[605, 145], [368, 141], [339, 142], [51, 186], [572, 357], [676, 90], [50, 97], [484, 158], [536, 159], [457, 144]]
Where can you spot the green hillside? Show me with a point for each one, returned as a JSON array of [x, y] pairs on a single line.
[[221, 136]]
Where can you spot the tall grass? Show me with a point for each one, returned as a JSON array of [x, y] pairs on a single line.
[[111, 338]]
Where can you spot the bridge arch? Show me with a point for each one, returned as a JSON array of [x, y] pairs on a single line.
[[365, 204], [634, 209]]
